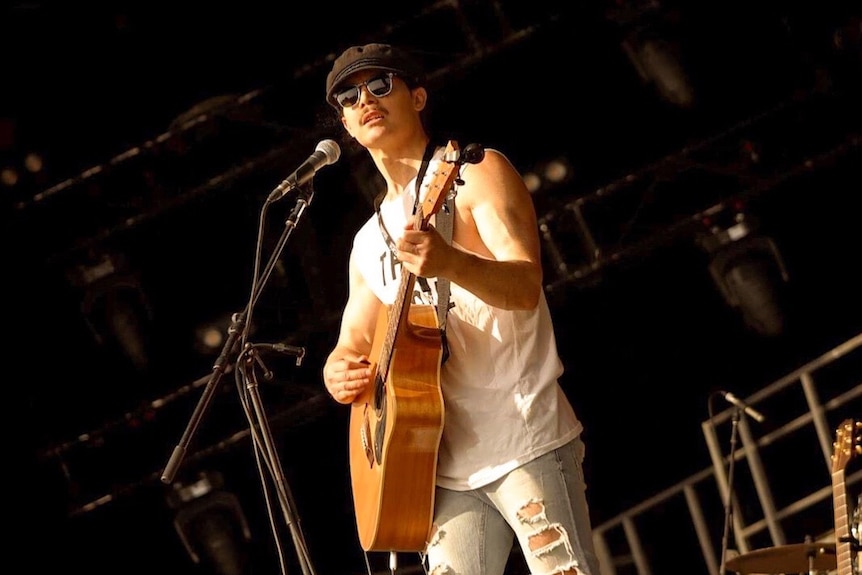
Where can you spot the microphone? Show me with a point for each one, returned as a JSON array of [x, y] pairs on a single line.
[[298, 352], [327, 152], [288, 349], [753, 413]]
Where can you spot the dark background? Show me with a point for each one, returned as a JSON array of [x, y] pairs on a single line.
[[162, 129]]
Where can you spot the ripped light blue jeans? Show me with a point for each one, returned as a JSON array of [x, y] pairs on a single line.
[[542, 503]]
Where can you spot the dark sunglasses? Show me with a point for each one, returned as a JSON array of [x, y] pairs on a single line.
[[379, 86]]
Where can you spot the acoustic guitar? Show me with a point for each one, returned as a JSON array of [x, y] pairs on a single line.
[[396, 426], [847, 445]]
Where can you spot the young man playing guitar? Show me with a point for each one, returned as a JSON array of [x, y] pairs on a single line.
[[495, 431]]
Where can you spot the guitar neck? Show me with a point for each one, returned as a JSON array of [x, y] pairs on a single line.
[[397, 316], [438, 188], [843, 548]]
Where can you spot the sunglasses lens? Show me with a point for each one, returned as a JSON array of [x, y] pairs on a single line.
[[380, 86], [348, 97]]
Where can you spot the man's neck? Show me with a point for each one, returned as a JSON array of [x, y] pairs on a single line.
[[400, 166]]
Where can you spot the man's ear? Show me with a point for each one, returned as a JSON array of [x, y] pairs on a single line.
[[420, 98]]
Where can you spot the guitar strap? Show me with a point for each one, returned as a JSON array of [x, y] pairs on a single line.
[[443, 224]]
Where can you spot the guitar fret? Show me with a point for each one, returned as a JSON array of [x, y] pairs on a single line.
[[392, 329]]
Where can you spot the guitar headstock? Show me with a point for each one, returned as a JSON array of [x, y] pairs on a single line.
[[441, 183], [848, 444]]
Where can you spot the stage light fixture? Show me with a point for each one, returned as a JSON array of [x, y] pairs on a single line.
[[210, 336], [9, 177], [211, 524], [548, 174], [747, 268], [658, 63], [533, 182], [114, 305], [651, 41], [558, 171]]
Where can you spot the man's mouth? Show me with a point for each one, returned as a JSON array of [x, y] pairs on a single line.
[[371, 116]]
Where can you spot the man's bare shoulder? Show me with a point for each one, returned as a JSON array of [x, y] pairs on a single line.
[[494, 175]]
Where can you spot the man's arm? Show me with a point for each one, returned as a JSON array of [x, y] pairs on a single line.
[[496, 219], [346, 372]]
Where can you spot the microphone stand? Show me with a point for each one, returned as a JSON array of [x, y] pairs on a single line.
[[728, 504], [237, 332]]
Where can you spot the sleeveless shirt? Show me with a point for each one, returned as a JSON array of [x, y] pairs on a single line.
[[503, 405]]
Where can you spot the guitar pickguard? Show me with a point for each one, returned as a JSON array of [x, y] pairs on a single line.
[[365, 439], [379, 395], [380, 435], [372, 441]]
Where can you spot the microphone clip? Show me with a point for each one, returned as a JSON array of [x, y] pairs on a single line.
[[283, 348]]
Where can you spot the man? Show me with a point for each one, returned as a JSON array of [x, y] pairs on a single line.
[[510, 456]]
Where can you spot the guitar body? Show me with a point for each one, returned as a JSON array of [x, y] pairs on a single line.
[[395, 431]]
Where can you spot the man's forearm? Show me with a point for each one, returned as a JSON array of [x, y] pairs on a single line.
[[507, 285]]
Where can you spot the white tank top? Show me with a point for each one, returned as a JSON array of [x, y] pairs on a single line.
[[503, 405]]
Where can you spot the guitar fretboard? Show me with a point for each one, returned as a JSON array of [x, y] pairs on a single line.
[[843, 549], [398, 310]]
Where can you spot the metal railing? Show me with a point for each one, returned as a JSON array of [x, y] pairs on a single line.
[[689, 526]]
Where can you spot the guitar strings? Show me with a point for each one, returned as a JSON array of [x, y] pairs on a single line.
[[426, 159]]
